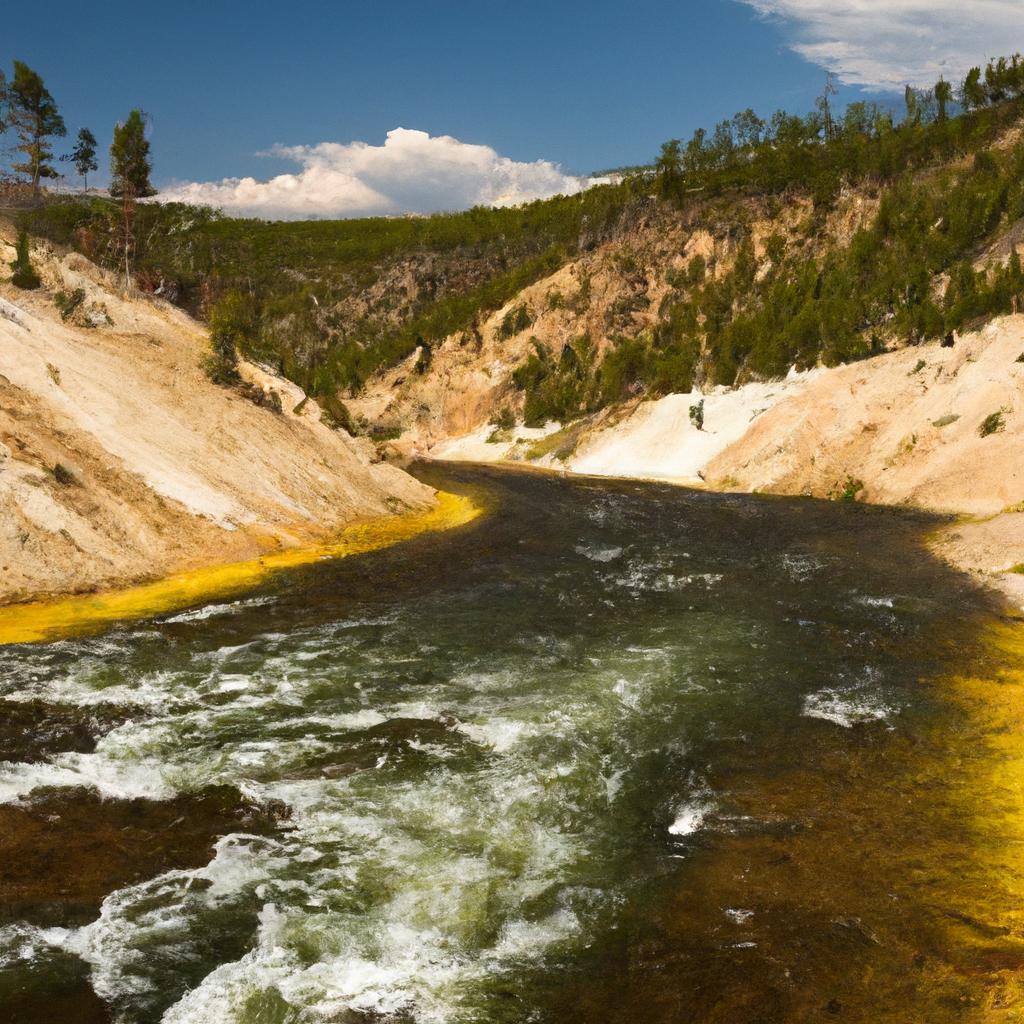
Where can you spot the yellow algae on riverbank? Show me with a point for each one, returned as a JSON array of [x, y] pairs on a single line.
[[38, 621], [984, 919]]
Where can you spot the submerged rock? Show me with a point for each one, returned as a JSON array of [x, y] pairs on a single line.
[[64, 850]]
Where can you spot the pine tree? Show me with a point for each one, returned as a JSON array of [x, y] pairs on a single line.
[[130, 168], [3, 102], [912, 104], [33, 115], [943, 96], [669, 169], [825, 105], [973, 91], [130, 165], [83, 156]]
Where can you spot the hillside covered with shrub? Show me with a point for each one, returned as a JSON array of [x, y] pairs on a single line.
[[833, 236]]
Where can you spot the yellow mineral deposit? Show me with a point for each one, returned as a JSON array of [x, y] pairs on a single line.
[[38, 621]]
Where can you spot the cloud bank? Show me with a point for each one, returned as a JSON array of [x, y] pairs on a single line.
[[412, 172], [884, 44]]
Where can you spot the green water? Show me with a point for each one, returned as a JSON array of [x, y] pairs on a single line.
[[614, 752]]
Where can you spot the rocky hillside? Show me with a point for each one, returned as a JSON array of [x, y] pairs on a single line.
[[562, 329], [120, 460], [723, 291]]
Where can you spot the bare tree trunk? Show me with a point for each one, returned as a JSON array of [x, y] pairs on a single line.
[[128, 208]]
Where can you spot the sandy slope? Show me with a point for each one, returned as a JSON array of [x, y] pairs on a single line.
[[887, 422], [169, 470], [660, 441]]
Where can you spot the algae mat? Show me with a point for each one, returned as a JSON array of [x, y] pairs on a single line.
[[38, 621]]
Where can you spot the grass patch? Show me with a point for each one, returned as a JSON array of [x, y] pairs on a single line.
[[64, 476], [850, 490], [945, 421], [561, 444], [993, 423]]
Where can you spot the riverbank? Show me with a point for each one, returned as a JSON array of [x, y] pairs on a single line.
[[48, 620], [930, 427], [121, 462]]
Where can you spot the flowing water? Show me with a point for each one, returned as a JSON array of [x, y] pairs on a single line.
[[614, 752]]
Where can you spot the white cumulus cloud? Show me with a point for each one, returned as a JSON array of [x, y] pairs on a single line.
[[412, 172], [885, 44]]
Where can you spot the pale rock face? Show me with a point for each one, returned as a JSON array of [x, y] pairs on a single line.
[[168, 470]]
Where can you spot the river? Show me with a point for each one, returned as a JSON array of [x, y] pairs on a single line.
[[613, 752]]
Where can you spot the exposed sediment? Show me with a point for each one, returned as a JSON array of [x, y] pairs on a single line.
[[120, 461]]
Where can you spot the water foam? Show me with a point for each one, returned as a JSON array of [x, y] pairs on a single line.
[[691, 817], [848, 708]]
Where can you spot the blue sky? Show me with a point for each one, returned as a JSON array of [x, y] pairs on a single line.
[[584, 85]]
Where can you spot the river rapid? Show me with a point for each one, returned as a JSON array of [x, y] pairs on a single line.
[[613, 752]]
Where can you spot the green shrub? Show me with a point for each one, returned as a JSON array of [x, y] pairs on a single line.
[[504, 419], [64, 475], [234, 324], [697, 415], [335, 413], [381, 432], [69, 304], [557, 390], [626, 370], [24, 276], [273, 401], [515, 321], [993, 423], [848, 491]]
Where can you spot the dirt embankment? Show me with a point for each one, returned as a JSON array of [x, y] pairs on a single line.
[[120, 460]]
